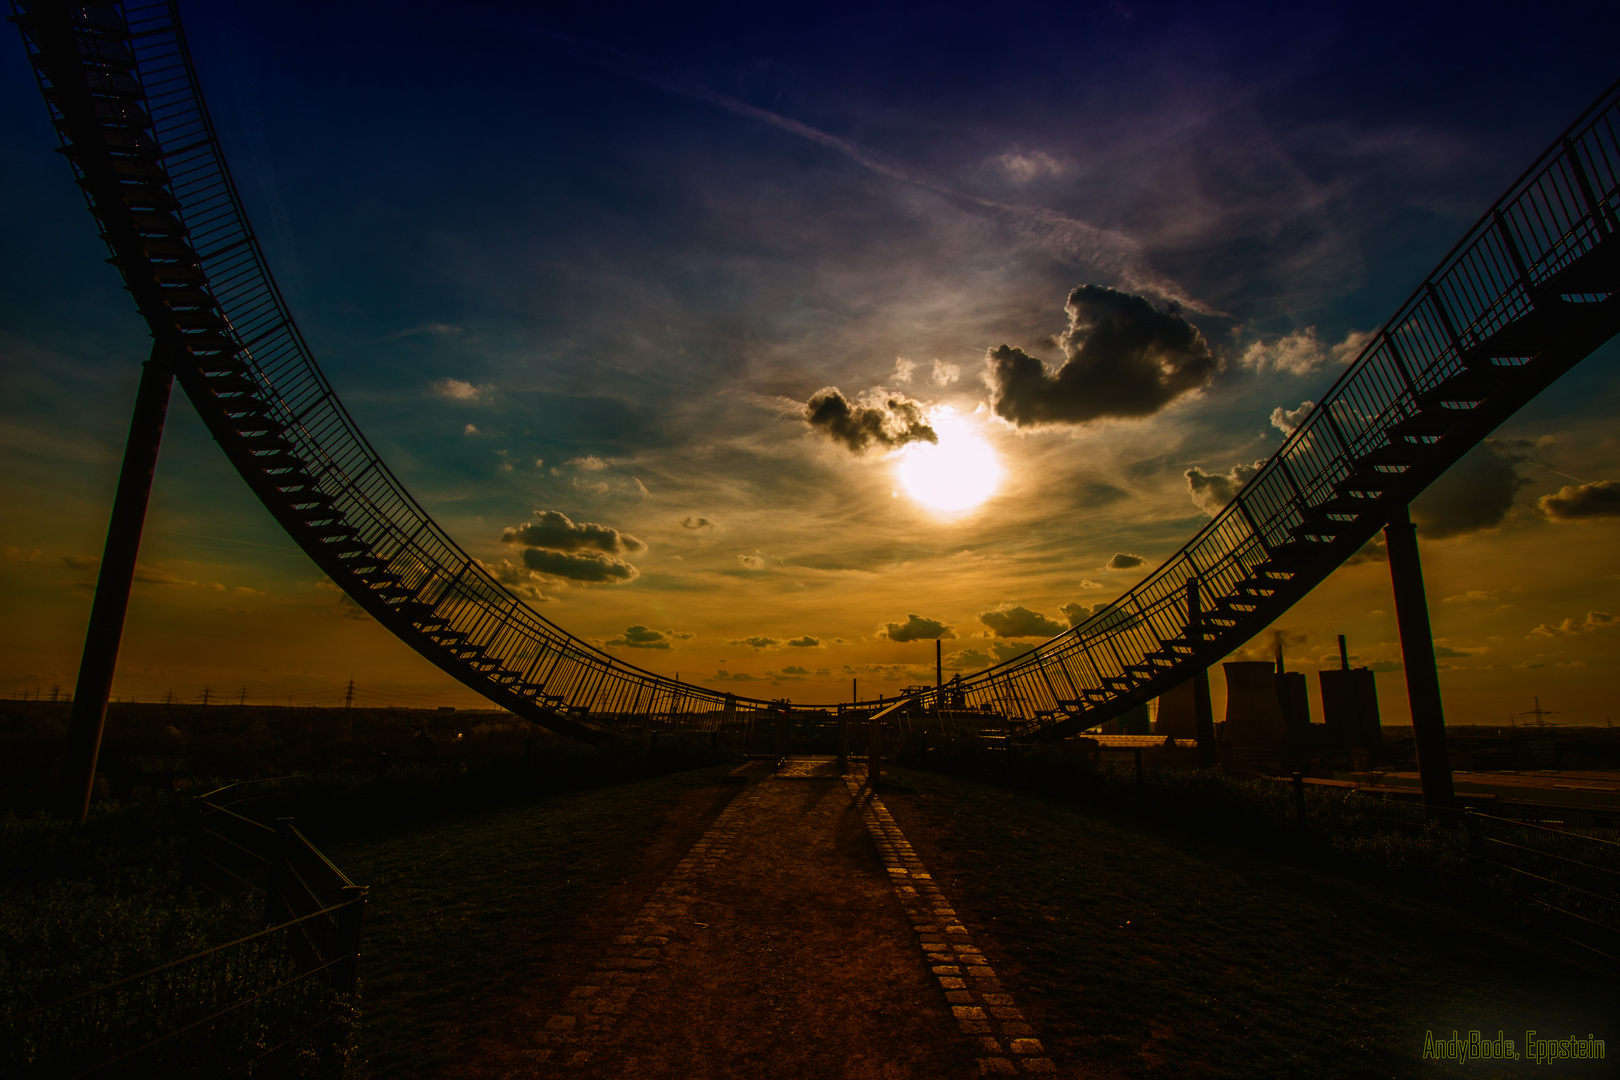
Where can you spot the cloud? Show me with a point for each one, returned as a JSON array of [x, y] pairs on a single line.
[[555, 531], [1300, 353], [1370, 552], [806, 642], [725, 676], [879, 418], [751, 562], [968, 660], [457, 390], [1474, 494], [1211, 491], [1079, 613], [945, 374], [471, 429], [81, 562], [1123, 358], [696, 523], [16, 554], [1595, 620], [758, 641], [589, 568], [1573, 502], [519, 578], [348, 609], [1022, 168], [1286, 420], [640, 637], [1014, 621], [917, 628], [1446, 652], [590, 463], [1007, 650], [152, 575], [904, 369], [1471, 596], [1124, 561]]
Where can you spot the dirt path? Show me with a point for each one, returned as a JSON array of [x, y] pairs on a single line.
[[778, 947]]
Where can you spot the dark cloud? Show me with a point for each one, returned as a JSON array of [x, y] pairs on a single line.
[[1007, 650], [1124, 561], [917, 628], [756, 642], [1122, 358], [1079, 613], [1019, 621], [968, 660], [879, 418], [1474, 494], [640, 637], [81, 562], [1372, 551], [519, 578], [806, 642], [590, 568], [555, 531], [697, 523], [725, 676], [1571, 503], [1212, 491]]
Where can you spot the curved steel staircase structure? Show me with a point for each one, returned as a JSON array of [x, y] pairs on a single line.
[[1524, 296]]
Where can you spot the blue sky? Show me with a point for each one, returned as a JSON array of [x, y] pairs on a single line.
[[595, 261]]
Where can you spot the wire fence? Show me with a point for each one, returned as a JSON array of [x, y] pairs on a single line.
[[277, 1003]]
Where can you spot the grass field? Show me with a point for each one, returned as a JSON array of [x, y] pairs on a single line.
[[1152, 953], [467, 913]]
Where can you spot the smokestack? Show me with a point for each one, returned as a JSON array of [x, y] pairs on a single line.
[[1344, 655], [1280, 669]]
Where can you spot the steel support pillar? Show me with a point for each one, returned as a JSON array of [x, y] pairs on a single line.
[[111, 601], [1203, 709], [1417, 653]]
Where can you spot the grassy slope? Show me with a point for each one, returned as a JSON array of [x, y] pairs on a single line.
[[467, 910], [1154, 954]]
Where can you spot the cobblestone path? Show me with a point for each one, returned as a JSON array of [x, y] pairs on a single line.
[[800, 937]]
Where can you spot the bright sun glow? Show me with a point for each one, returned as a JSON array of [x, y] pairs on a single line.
[[957, 473]]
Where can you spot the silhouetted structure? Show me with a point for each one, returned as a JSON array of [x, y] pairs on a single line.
[[1254, 718]]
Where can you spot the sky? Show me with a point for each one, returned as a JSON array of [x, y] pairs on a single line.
[[731, 339]]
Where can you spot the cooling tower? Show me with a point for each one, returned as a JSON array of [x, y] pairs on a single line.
[[1253, 717], [1350, 707], [1177, 718], [1293, 695]]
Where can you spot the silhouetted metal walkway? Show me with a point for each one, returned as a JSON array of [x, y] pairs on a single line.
[[1526, 294]]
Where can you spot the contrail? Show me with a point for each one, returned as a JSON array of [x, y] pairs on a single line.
[[1071, 237]]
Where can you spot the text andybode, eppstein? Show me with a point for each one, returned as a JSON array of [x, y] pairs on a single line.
[[1472, 1047]]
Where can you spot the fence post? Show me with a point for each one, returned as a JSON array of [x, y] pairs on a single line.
[[1299, 801], [345, 977]]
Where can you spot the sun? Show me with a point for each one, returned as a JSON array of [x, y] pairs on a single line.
[[955, 474]]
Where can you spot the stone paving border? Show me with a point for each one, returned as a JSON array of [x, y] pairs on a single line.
[[981, 1005], [594, 1007]]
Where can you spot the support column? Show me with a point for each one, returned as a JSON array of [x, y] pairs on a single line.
[[1417, 653], [1203, 710], [106, 627]]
